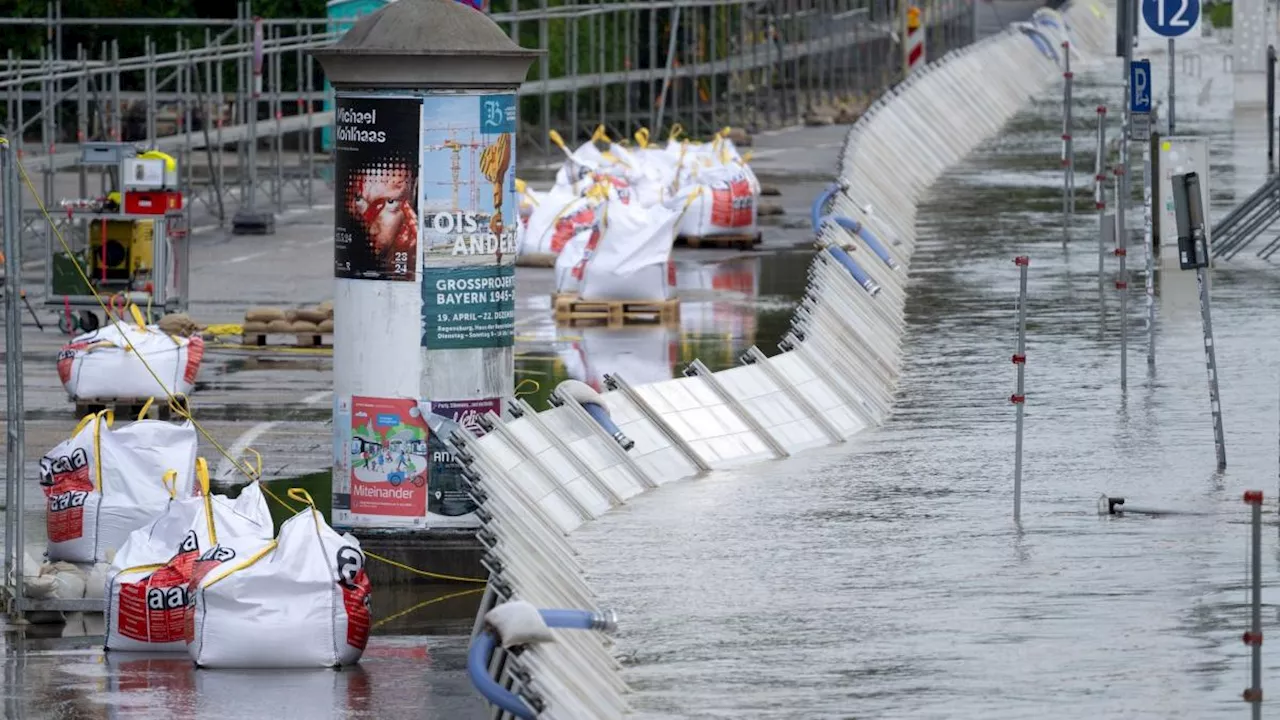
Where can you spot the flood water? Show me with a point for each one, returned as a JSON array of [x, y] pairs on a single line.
[[886, 578]]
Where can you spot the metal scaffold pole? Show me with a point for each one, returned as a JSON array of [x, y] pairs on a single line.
[[14, 412], [1019, 398], [1068, 148]]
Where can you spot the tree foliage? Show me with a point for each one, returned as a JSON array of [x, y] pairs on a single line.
[[27, 40]]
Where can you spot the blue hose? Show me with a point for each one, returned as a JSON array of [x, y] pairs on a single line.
[[820, 204], [478, 668], [858, 274], [570, 619], [482, 648], [601, 416], [867, 236]]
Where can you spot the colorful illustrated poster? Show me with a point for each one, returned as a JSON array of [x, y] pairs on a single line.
[[388, 458], [448, 488], [468, 199], [341, 508], [468, 306], [376, 227]]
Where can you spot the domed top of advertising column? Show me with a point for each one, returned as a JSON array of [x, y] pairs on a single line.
[[426, 44]]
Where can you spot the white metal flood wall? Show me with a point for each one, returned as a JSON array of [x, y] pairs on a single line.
[[540, 476]]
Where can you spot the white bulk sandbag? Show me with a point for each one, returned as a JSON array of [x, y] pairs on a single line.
[[727, 207], [629, 261], [101, 364], [103, 483], [148, 597], [303, 602], [559, 218]]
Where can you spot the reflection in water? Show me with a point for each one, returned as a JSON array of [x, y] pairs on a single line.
[[725, 308], [397, 677]]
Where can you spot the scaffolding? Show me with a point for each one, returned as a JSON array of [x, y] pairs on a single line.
[[242, 108]]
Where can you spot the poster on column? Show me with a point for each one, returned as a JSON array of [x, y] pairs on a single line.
[[388, 460], [376, 228], [449, 504], [341, 507], [470, 306], [467, 197]]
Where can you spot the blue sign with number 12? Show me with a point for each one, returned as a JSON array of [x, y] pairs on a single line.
[[1171, 18]]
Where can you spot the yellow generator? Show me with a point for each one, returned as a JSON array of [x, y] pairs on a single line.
[[120, 250]]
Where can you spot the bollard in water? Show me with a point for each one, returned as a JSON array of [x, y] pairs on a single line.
[[1253, 638], [1100, 192], [1068, 149], [1148, 241], [1271, 110], [1019, 397], [1121, 251]]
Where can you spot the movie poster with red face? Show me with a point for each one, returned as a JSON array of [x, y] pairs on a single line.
[[376, 163]]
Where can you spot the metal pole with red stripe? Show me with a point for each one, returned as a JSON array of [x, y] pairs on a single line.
[[914, 40]]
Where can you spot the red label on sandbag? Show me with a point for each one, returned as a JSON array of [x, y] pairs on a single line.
[[154, 610], [357, 593], [67, 483], [592, 242], [356, 598], [570, 225], [65, 519], [731, 206], [195, 353], [211, 559], [66, 359]]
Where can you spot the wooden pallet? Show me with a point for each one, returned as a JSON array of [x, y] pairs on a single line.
[[301, 340], [542, 260], [127, 409], [745, 242], [571, 310]]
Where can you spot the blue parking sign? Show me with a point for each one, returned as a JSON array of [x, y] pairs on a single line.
[[1140, 86], [1171, 18]]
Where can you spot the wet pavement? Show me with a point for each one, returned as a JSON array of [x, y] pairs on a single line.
[[885, 578], [72, 679], [279, 403]]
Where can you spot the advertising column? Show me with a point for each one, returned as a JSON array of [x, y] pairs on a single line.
[[424, 297]]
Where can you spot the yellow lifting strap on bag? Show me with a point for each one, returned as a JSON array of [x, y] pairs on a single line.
[[559, 141], [303, 496], [642, 137], [170, 482], [202, 477], [600, 134], [142, 414], [110, 417], [226, 569], [676, 131]]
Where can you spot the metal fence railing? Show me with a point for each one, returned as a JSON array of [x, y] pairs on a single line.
[[186, 85]]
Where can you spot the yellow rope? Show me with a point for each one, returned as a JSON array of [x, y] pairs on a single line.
[[425, 603], [177, 402]]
